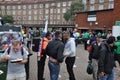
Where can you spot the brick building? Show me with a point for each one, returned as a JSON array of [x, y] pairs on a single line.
[[98, 18], [35, 11]]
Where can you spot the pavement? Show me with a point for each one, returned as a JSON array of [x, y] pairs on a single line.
[[79, 67]]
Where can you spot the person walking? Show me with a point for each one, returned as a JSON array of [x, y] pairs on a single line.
[[94, 55], [41, 62], [106, 62], [117, 50], [70, 54], [86, 37], [54, 50], [15, 70]]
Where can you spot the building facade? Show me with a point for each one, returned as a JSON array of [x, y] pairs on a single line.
[[93, 5], [36, 11], [99, 15]]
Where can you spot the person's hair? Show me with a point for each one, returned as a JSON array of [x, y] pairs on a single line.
[[47, 34], [111, 39], [15, 42], [57, 34], [118, 38], [67, 32]]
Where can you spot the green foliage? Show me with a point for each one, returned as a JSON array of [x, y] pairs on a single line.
[[8, 19], [67, 15], [76, 6]]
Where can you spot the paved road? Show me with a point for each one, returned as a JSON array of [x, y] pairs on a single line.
[[79, 70]]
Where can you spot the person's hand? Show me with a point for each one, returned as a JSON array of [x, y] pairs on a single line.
[[102, 74], [7, 57]]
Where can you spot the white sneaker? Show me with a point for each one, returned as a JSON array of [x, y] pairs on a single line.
[[60, 76], [74, 66]]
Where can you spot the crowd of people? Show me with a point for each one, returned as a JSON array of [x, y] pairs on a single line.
[[60, 45], [103, 54]]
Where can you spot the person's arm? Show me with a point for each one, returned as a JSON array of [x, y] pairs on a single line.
[[60, 51], [5, 56]]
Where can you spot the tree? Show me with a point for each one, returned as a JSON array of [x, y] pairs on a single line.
[[8, 19], [67, 15], [76, 6]]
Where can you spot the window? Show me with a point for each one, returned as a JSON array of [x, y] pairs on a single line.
[[41, 11], [54, 16], [51, 22], [58, 10], [51, 10], [54, 10], [58, 17], [14, 12], [64, 3], [101, 7], [69, 3], [35, 17], [111, 0], [29, 7], [52, 4], [111, 6], [24, 17], [64, 10], [35, 6], [19, 7], [47, 11], [24, 6], [92, 1], [58, 22], [46, 17], [24, 12], [2, 7], [29, 17], [91, 8], [14, 17], [41, 17], [30, 12], [19, 18], [41, 5], [35, 11], [3, 12], [46, 5], [58, 4], [101, 1], [8, 12], [8, 7], [19, 13], [51, 17], [13, 7]]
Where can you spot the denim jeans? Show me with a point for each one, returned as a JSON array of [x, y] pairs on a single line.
[[108, 76], [54, 70]]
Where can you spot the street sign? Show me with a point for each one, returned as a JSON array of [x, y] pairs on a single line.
[[117, 23]]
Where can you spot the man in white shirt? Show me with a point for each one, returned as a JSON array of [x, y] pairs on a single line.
[[70, 53]]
